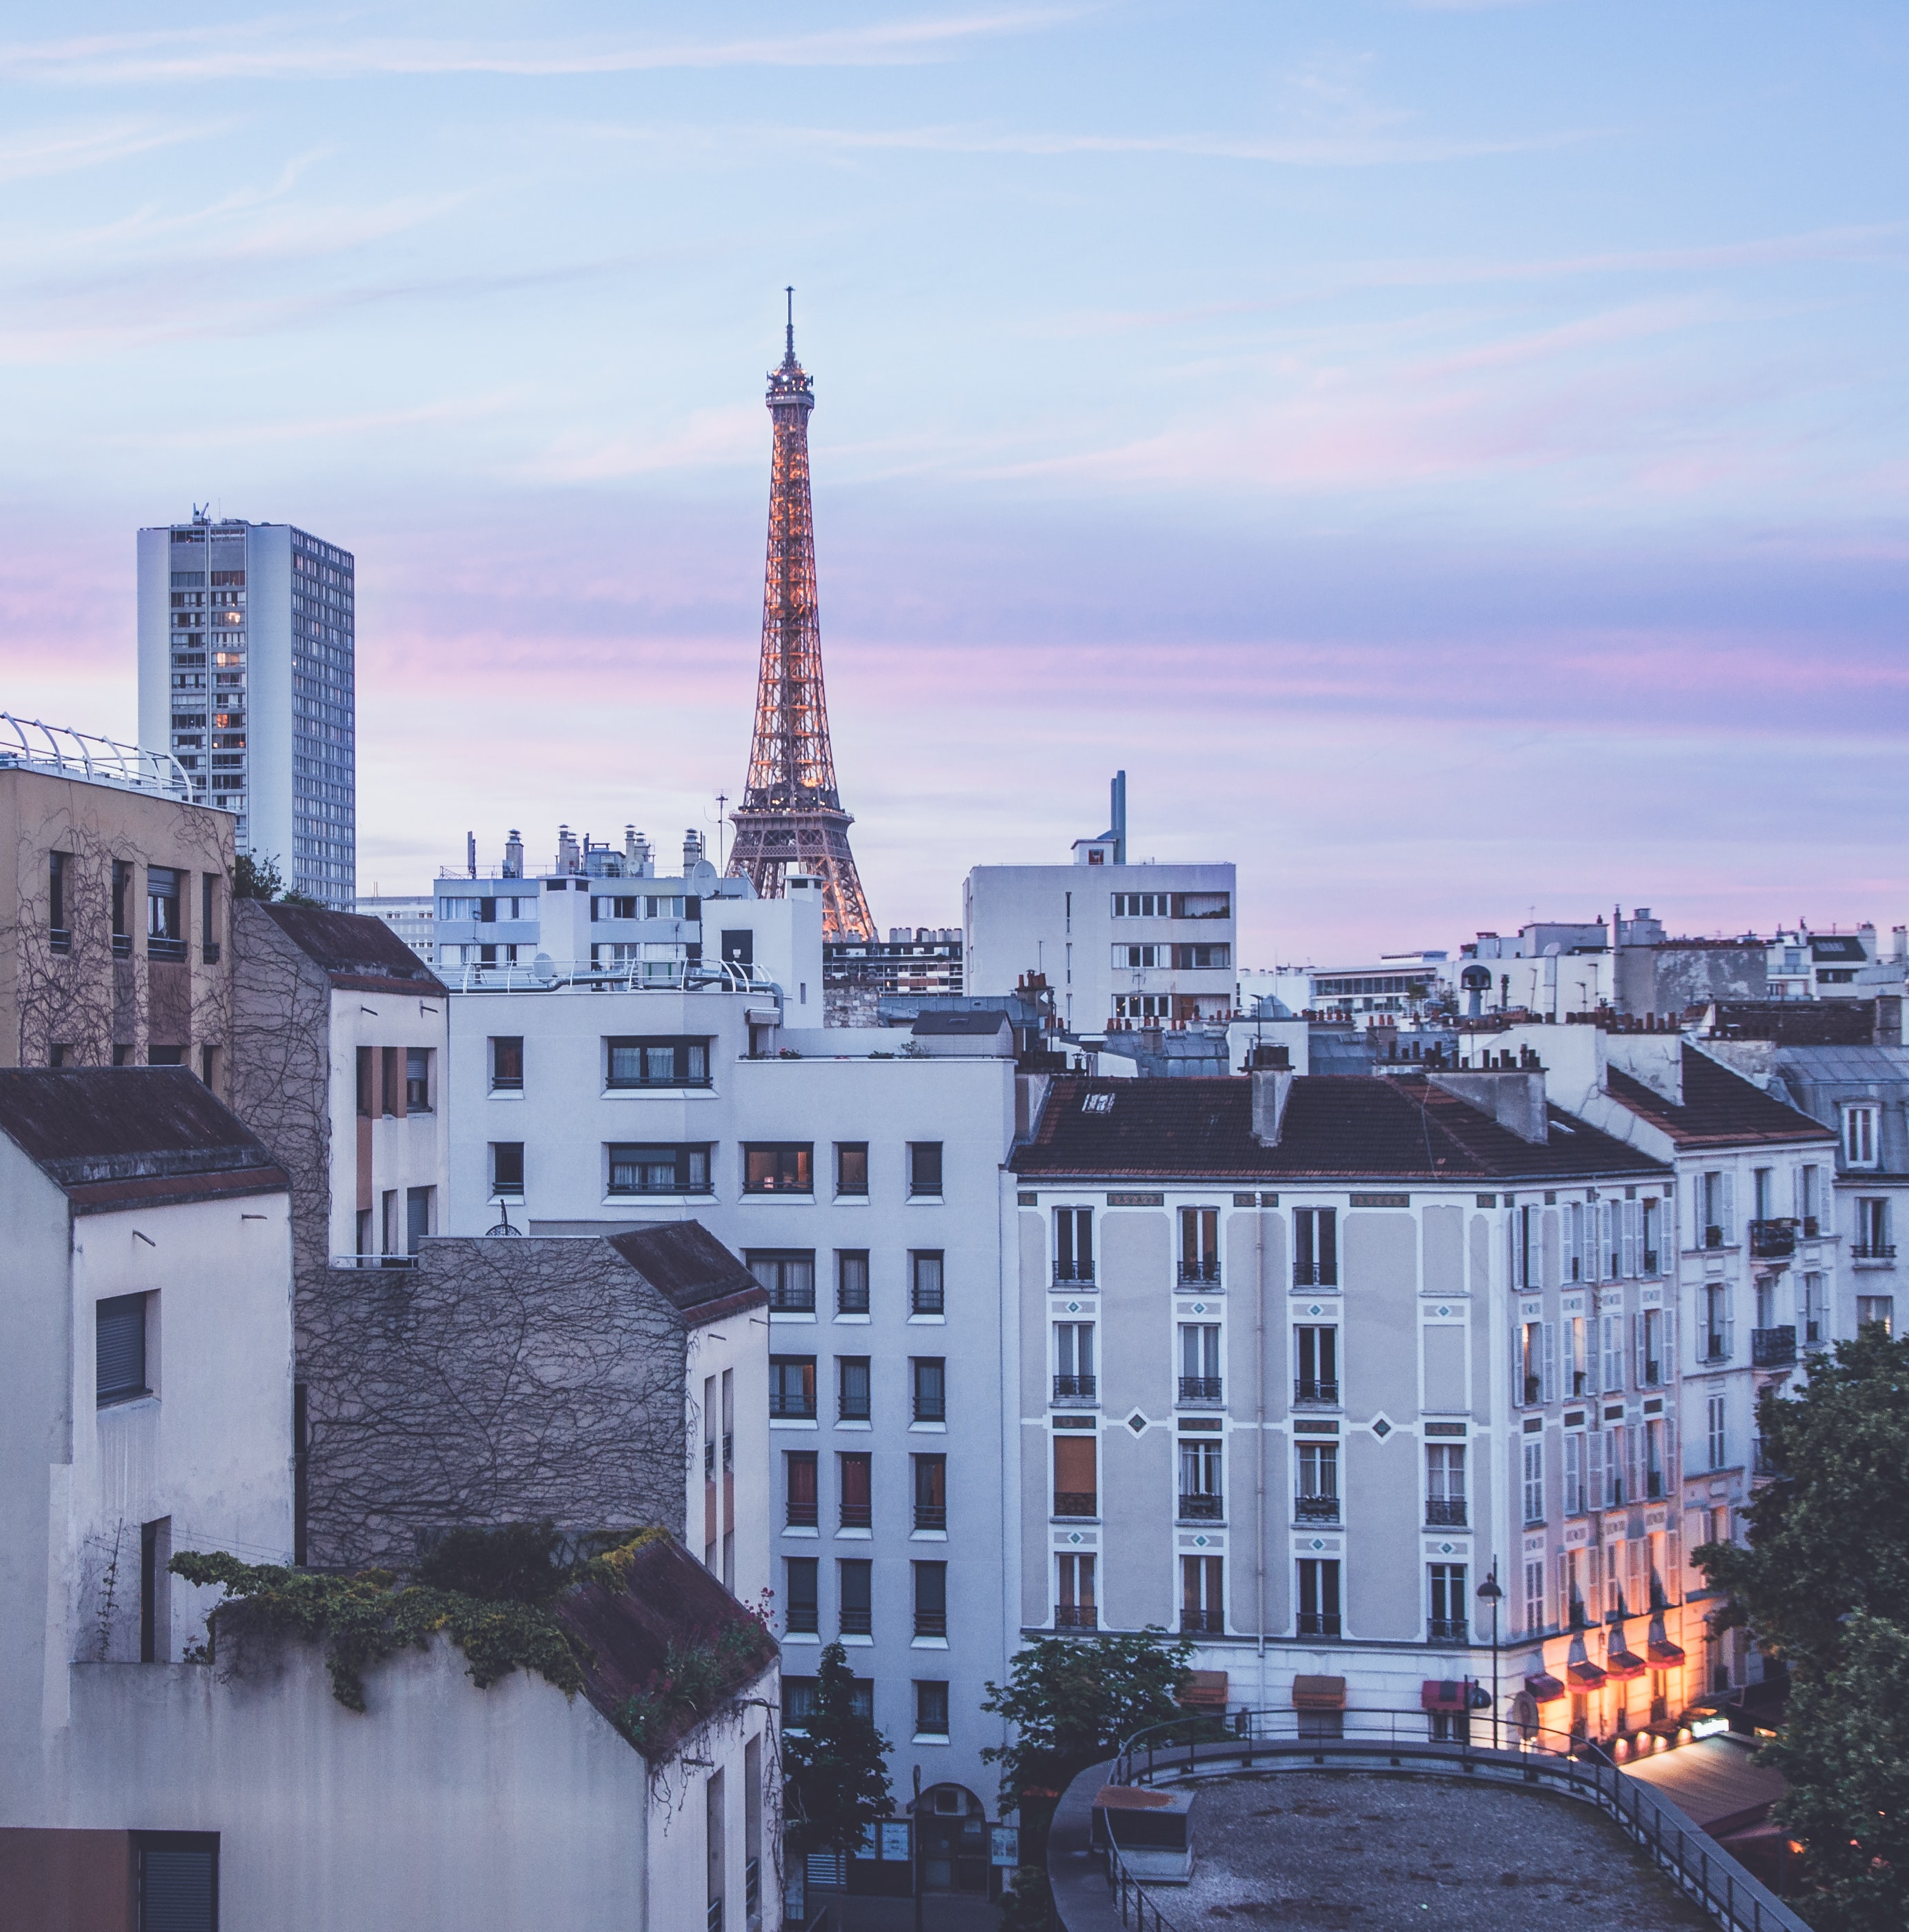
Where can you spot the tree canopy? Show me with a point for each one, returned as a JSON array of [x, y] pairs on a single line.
[[835, 1770], [1824, 1583]]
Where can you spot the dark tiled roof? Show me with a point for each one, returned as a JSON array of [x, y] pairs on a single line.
[[1719, 1107], [352, 948], [984, 1025], [118, 1136], [684, 1261], [670, 1599], [1798, 1022], [1344, 1127]]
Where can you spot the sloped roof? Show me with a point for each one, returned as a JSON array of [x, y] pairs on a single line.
[[1719, 1109], [360, 953], [1336, 1126], [980, 1025], [670, 1600], [684, 1261], [118, 1136]]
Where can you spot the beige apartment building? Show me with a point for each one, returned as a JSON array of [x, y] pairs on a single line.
[[115, 910]]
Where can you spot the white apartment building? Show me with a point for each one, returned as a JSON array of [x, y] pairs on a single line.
[[247, 659], [411, 915], [856, 1171], [1120, 944]]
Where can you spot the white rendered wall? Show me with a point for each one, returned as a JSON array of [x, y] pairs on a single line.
[[413, 1151]]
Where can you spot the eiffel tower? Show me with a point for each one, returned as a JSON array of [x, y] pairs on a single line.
[[791, 817]]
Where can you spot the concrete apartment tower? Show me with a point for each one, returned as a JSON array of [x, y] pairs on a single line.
[[247, 677]]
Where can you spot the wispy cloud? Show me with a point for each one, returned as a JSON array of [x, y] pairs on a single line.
[[273, 50], [56, 150], [718, 437]]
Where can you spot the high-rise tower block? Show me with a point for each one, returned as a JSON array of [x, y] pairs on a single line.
[[791, 817]]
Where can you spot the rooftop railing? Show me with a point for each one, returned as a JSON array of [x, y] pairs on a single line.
[[27, 744]]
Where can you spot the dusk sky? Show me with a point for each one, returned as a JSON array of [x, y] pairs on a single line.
[[1451, 455]]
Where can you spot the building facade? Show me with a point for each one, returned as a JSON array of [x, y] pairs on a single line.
[[247, 676], [412, 916]]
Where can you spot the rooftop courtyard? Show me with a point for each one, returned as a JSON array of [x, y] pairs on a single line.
[[1324, 1852]]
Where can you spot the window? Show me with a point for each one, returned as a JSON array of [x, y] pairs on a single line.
[[164, 935], [1534, 1479], [1199, 1244], [1809, 1201], [1074, 1244], [1612, 1329], [851, 1167], [656, 1063], [804, 1611], [1872, 1241], [855, 1482], [1534, 1595], [119, 1349], [1200, 1361], [924, 1284], [417, 1080], [58, 864], [1650, 1348], [1530, 1362], [1318, 1498], [1524, 1225], [1075, 1607], [1577, 1354], [1316, 1351], [1315, 1247], [1447, 1583], [800, 1509], [416, 1217], [122, 907], [1717, 1431], [1651, 1248], [1075, 1380], [1202, 1608], [1717, 1325], [855, 1579], [930, 1599], [791, 1388], [789, 1277], [1134, 1006], [852, 1388], [930, 1492], [1878, 1311], [1762, 1189], [177, 1875], [1201, 959], [1319, 1597], [1716, 1211], [507, 1065], [1813, 1309], [1653, 1461], [1202, 905], [931, 1709], [851, 1281], [923, 1169], [1136, 958], [659, 1170], [390, 1090], [507, 1169], [777, 1167], [1201, 1500], [366, 1082], [1077, 1491], [928, 1375], [1141, 905], [1445, 1485], [166, 1056]]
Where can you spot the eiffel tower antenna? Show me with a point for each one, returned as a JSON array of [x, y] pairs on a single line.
[[791, 818]]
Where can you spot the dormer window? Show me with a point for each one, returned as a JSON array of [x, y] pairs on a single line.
[[1860, 1135]]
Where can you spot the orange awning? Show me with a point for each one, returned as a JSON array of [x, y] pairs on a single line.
[[1319, 1694]]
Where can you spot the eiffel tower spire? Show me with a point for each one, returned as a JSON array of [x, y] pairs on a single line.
[[791, 817]]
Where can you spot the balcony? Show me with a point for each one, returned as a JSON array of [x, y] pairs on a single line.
[[1762, 1459], [1773, 1348], [1533, 1389], [1712, 1237], [1076, 1616], [374, 1260], [930, 1516], [1773, 1240], [857, 1622], [1203, 1623], [1077, 1274], [1076, 1388], [1315, 1509], [165, 948], [799, 1515], [1812, 1229], [857, 1516], [1445, 1512], [783, 1408], [1445, 1630], [1199, 1274], [1076, 1502], [60, 939], [122, 946], [1199, 1388], [1319, 1623], [1315, 1274], [1202, 1508], [930, 1623], [1310, 1389], [1878, 1254], [1650, 1266]]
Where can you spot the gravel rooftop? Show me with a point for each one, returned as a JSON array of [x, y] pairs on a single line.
[[1322, 1851]]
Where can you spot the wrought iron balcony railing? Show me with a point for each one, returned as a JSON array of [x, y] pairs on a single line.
[[1076, 1388], [1076, 1616], [1202, 1508], [1773, 1348], [1316, 1509], [1199, 1388], [1311, 1388], [1076, 1502], [1773, 1240], [1445, 1512]]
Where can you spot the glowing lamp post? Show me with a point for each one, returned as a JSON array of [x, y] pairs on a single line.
[[1488, 1592]]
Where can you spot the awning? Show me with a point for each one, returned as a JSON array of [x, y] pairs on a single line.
[[1437, 1695], [1546, 1689], [1204, 1690], [1661, 1651], [1624, 1664], [1319, 1694], [1583, 1676]]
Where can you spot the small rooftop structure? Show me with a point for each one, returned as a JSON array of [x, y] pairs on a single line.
[[1153, 1830]]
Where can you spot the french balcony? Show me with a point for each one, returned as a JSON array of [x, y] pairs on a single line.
[[1199, 1388], [1445, 1512], [1319, 1623], [1076, 1616], [1773, 1348], [1076, 1274], [1773, 1240], [930, 1623], [1203, 1623], [1878, 1254], [1812, 1229], [1315, 1509], [165, 948], [1311, 1389], [1199, 1274], [800, 1516], [1763, 1460], [857, 1622], [1650, 1265], [1076, 1388], [1201, 1509], [1713, 1237], [1076, 1502], [930, 1516], [1446, 1629], [857, 1516], [1315, 1274], [1714, 1346]]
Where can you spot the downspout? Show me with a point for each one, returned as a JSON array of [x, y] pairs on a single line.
[[1258, 1513]]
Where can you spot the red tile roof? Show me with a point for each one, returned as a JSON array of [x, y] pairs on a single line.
[[1336, 1126], [1720, 1107]]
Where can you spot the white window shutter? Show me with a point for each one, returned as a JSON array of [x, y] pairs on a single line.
[[1566, 1248], [1670, 1346], [1636, 1351], [1729, 1208], [1673, 1471], [1633, 1236], [1633, 1482], [1594, 1472], [1550, 1361]]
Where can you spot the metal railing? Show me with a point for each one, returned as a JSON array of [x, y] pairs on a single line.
[[1197, 1274], [1773, 1240], [1399, 1741], [1076, 1502], [1312, 1388], [374, 1260], [1773, 1348], [1202, 1508], [1445, 1512], [1076, 1616], [1075, 1388], [28, 744], [1199, 1388], [1315, 1274], [1872, 1251], [1316, 1509]]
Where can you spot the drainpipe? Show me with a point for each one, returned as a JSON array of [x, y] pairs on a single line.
[[1258, 1513]]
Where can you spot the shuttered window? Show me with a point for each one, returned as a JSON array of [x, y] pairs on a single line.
[[178, 1882], [119, 1349]]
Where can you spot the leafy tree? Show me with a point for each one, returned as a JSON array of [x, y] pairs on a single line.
[[836, 1778], [1824, 1583], [261, 879]]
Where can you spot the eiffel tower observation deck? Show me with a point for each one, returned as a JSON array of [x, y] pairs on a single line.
[[791, 817]]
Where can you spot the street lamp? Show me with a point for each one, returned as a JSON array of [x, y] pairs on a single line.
[[1488, 1592]]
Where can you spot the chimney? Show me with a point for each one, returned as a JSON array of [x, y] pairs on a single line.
[[1513, 1098], [1272, 1087], [470, 852], [513, 855], [1117, 800], [692, 851], [568, 858]]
